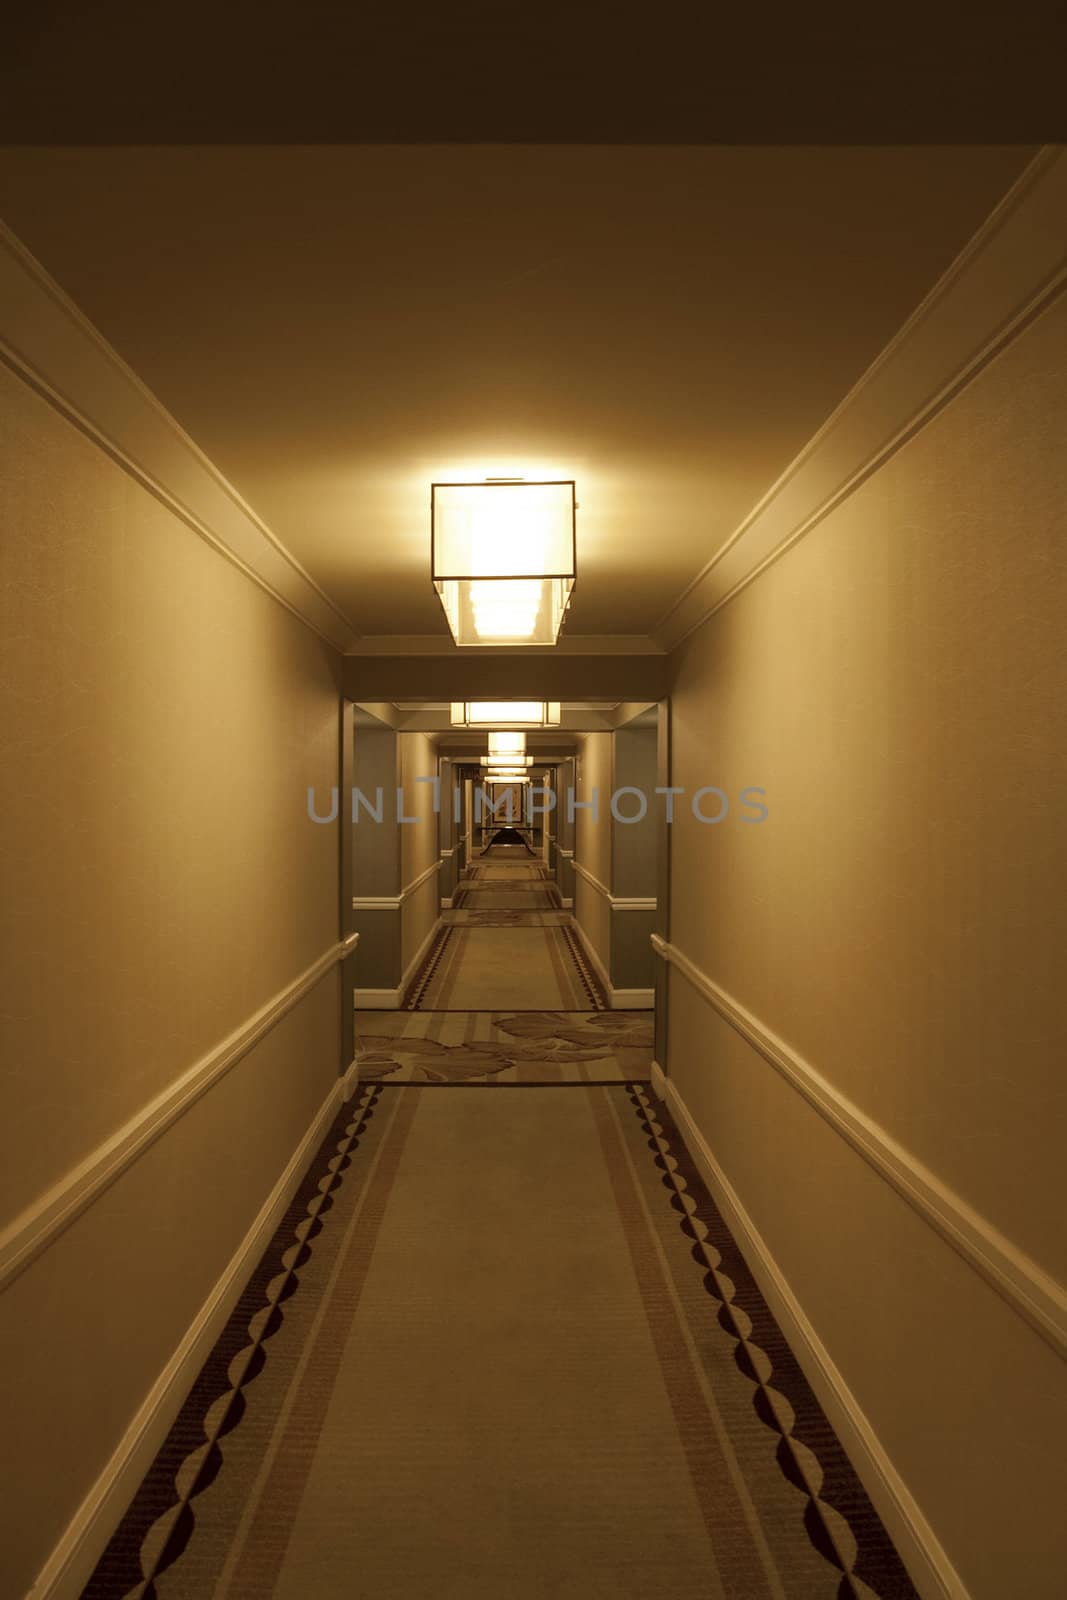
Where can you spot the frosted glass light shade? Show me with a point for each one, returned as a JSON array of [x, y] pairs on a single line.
[[511, 761], [502, 559], [504, 713], [506, 744]]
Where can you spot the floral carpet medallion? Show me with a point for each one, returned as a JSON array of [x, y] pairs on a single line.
[[535, 1046]]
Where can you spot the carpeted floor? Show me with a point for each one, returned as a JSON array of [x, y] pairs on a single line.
[[496, 915], [498, 879], [503, 1046], [537, 965], [502, 1348], [493, 969]]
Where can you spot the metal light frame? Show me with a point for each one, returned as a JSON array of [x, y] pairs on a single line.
[[460, 717], [439, 578]]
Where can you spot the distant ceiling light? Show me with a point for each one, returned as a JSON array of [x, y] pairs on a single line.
[[510, 760], [503, 744], [503, 558], [507, 777], [505, 713]]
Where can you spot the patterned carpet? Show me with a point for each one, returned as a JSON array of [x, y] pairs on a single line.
[[538, 965], [502, 1347], [498, 879], [497, 916], [503, 1047], [528, 968]]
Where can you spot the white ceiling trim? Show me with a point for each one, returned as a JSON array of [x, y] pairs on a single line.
[[53, 345], [436, 644], [1010, 271]]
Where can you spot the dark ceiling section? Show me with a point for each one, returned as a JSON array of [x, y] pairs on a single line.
[[684, 71]]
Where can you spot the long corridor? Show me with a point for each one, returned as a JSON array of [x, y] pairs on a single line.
[[503, 1344], [533, 872]]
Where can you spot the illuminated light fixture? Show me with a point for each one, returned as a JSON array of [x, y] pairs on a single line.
[[507, 744], [503, 558], [505, 713], [510, 760], [507, 777]]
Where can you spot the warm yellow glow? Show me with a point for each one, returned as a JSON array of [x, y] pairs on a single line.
[[506, 610], [503, 559], [503, 530], [507, 744], [506, 711], [505, 714]]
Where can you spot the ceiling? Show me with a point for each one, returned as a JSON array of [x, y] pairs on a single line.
[[689, 71], [338, 326]]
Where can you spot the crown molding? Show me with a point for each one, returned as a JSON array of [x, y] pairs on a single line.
[[441, 644], [54, 347], [1009, 272]]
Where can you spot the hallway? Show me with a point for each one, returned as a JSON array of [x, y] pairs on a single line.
[[483, 1318], [486, 1316], [503, 1345], [504, 1009], [533, 871]]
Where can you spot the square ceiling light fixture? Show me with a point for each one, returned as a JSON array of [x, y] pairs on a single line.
[[512, 762], [507, 744], [503, 558], [505, 713]]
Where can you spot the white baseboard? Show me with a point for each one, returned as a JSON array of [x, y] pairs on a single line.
[[930, 1568], [393, 999], [632, 999], [67, 1570], [1031, 1291], [416, 960], [618, 999], [593, 958], [46, 1217], [378, 999]]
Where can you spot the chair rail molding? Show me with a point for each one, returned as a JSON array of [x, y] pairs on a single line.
[[393, 902], [616, 902], [70, 1565], [587, 877], [52, 1212], [930, 1567], [1026, 1287]]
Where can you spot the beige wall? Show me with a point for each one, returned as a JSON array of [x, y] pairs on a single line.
[[161, 882], [592, 842], [419, 848], [895, 682]]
